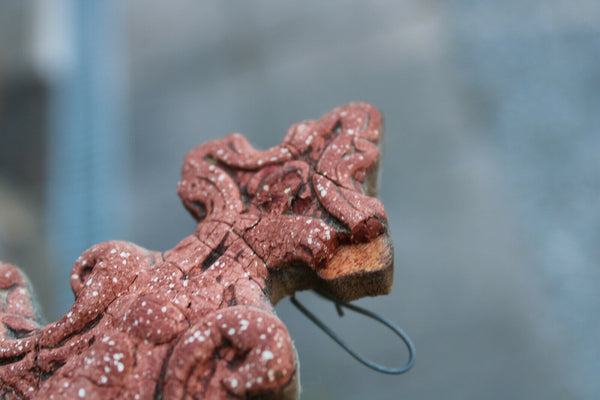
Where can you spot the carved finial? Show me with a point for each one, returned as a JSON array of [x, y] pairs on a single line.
[[197, 321]]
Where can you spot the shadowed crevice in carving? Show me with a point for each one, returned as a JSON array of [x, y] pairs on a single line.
[[158, 391], [214, 254], [50, 372], [16, 334], [11, 360]]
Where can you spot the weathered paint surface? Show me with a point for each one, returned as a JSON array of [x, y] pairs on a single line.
[[197, 321]]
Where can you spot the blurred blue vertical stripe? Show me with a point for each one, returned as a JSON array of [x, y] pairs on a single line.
[[87, 142]]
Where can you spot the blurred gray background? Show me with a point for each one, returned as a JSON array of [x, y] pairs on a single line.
[[491, 175]]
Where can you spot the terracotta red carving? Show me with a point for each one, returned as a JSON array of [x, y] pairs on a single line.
[[197, 321]]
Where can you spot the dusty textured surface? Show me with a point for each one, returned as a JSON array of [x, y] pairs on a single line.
[[197, 321]]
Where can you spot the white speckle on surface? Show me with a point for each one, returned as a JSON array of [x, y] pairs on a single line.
[[81, 393], [244, 323], [267, 355]]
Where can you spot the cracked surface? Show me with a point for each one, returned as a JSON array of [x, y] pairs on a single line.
[[197, 321]]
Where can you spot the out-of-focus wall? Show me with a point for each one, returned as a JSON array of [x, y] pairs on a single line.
[[532, 72], [64, 142], [490, 178], [23, 119]]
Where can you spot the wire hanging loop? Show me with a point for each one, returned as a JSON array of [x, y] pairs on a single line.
[[339, 304]]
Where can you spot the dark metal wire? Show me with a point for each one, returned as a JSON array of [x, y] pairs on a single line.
[[339, 304]]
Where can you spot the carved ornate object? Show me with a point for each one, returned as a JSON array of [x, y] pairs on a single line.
[[197, 321]]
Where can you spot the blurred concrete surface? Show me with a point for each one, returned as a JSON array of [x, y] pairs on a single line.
[[490, 176]]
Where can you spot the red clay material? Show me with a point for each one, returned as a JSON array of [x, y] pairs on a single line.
[[197, 321]]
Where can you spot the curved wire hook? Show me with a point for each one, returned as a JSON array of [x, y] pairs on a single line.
[[339, 304]]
